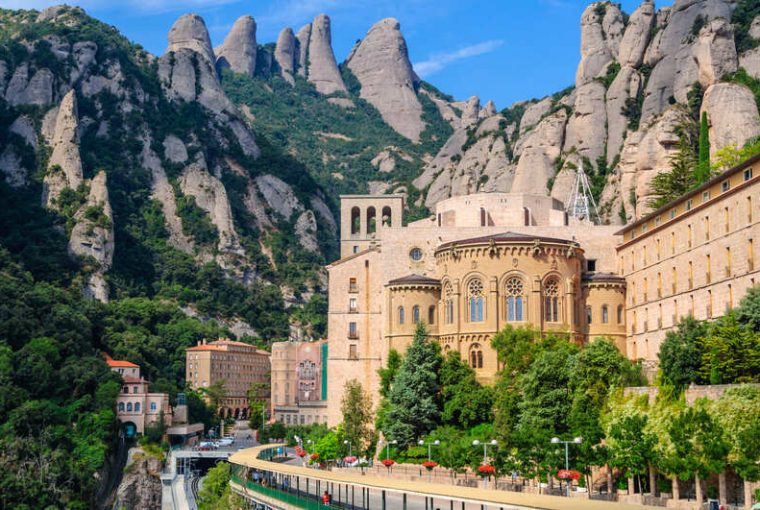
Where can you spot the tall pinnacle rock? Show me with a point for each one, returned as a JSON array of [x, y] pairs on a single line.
[[323, 70], [285, 54], [381, 64], [190, 32], [238, 52], [65, 163], [302, 43]]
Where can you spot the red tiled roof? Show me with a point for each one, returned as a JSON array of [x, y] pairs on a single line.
[[222, 344], [118, 363]]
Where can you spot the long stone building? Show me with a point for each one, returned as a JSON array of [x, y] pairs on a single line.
[[237, 364], [486, 260], [694, 256]]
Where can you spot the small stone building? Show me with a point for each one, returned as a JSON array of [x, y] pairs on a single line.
[[136, 406]]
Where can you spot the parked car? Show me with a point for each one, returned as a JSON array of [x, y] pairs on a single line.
[[225, 442]]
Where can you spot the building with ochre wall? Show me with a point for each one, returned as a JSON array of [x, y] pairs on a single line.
[[238, 364], [478, 263], [694, 256]]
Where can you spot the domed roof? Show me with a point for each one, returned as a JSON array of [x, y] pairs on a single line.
[[514, 237], [414, 279]]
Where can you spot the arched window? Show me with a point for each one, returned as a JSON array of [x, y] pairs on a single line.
[[431, 314], [121, 407], [129, 407], [355, 220], [387, 218], [620, 314], [551, 300], [415, 314], [401, 315], [589, 315], [137, 407], [515, 299], [448, 304], [371, 220], [153, 406], [476, 299], [476, 356], [605, 314]]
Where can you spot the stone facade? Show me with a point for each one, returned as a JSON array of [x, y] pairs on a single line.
[[238, 364], [299, 386], [694, 256], [136, 406], [480, 262]]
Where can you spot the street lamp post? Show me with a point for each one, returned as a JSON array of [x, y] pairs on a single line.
[[346, 441], [388, 448], [421, 442], [577, 440], [485, 444]]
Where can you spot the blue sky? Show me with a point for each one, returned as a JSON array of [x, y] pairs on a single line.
[[505, 50]]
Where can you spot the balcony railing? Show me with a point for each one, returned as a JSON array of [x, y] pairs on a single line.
[[353, 335]]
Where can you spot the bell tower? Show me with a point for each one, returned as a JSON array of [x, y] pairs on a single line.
[[363, 217]]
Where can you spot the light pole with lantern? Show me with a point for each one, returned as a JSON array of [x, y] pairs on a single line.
[[485, 444], [388, 447], [346, 441], [577, 440], [430, 445]]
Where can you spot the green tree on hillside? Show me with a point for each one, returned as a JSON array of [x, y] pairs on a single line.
[[414, 408], [466, 402], [748, 311], [356, 408], [215, 393], [703, 173], [682, 177], [699, 446], [388, 373], [681, 353], [730, 353]]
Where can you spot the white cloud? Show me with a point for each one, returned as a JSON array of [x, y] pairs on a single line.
[[143, 6], [438, 61]]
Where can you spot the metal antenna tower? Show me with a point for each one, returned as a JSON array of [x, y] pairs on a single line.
[[581, 203]]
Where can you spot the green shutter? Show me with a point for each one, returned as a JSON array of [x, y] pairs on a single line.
[[324, 371]]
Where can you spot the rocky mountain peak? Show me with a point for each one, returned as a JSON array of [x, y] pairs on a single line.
[[285, 54], [470, 111], [381, 64], [488, 110], [190, 32], [637, 35], [65, 163], [602, 28], [323, 69], [238, 52], [302, 43]]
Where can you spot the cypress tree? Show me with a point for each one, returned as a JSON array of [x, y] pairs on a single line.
[[414, 407], [703, 165]]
